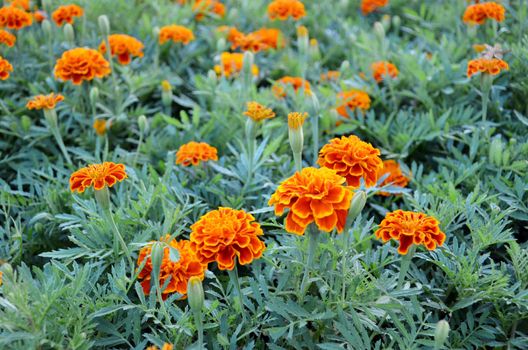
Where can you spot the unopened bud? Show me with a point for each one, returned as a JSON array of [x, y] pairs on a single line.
[[142, 124], [69, 34], [379, 30], [104, 25], [302, 40], [212, 76], [166, 93], [357, 204], [396, 22], [441, 333], [221, 45], [296, 136], [7, 269], [94, 95], [155, 32], [345, 65], [247, 65], [46, 27], [495, 151], [195, 294], [386, 21], [156, 255], [25, 121]]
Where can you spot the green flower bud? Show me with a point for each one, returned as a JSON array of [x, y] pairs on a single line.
[[356, 205], [379, 31], [396, 22], [386, 22], [104, 25], [345, 65], [25, 121], [296, 136], [143, 124], [94, 95], [156, 256], [441, 333], [247, 66], [211, 76], [495, 151], [69, 34], [7, 269], [195, 294], [46, 27], [221, 45]]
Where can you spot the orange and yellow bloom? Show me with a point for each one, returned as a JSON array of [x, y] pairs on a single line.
[[204, 8], [491, 66], [44, 101], [81, 64], [231, 65], [480, 12], [284, 9], [258, 112], [262, 39], [351, 100], [368, 6], [5, 68], [176, 33], [124, 47], [100, 126], [279, 88], [193, 153], [382, 69], [66, 13], [14, 18], [98, 176], [7, 38], [395, 176]]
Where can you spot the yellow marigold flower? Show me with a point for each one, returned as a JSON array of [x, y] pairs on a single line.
[[492, 66], [14, 18], [44, 101], [350, 100], [176, 33], [123, 46], [296, 120], [302, 31], [382, 69], [100, 126], [98, 176], [284, 9], [81, 64], [395, 175], [66, 13], [480, 12], [368, 6], [410, 228], [353, 159], [258, 112], [195, 152], [7, 38], [166, 86], [231, 65]]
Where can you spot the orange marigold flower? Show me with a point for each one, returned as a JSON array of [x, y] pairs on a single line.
[[353, 159], [410, 228], [23, 4], [270, 37], [176, 33], [98, 176], [296, 120], [179, 272], [368, 6], [100, 126], [313, 195], [258, 112], [284, 9], [350, 100], [231, 64], [262, 39], [382, 69], [208, 7], [331, 75], [81, 64], [492, 66], [5, 68], [7, 38], [39, 16], [123, 46], [223, 234], [66, 13], [479, 13], [195, 152], [395, 175], [279, 88], [44, 101], [14, 18]]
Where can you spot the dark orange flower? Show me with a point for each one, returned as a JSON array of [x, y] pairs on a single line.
[[262, 39], [176, 33], [284, 9], [100, 126], [7, 38], [353, 159], [66, 13], [223, 234], [492, 66], [5, 68], [479, 13], [382, 69], [195, 152], [22, 4], [368, 6], [270, 37], [258, 112], [313, 195], [410, 228], [231, 65], [81, 64], [14, 18], [98, 176], [39, 16], [44, 101], [395, 175], [166, 346], [350, 100], [179, 272], [123, 46], [203, 8], [279, 88], [331, 75]]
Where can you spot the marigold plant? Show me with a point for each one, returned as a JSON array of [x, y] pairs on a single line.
[[14, 18], [81, 64], [382, 69], [176, 33], [225, 234], [124, 47], [492, 66], [410, 228], [44, 101], [279, 87], [395, 176], [23, 4], [5, 68], [98, 176], [258, 112], [480, 12], [66, 13], [193, 153], [284, 9], [351, 100], [353, 159], [203, 8], [368, 6], [296, 119], [7, 38], [231, 65]]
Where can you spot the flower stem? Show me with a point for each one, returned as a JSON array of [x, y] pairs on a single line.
[[405, 264], [297, 158], [199, 326], [312, 246], [485, 83], [137, 150], [51, 118], [233, 275]]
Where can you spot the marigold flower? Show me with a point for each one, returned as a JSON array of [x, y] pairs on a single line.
[[81, 64], [479, 48], [98, 176], [123, 46], [262, 39], [480, 12], [23, 4], [66, 13], [7, 38], [302, 31], [100, 126], [14, 18], [395, 175], [179, 272], [331, 75], [231, 65], [350, 100], [195, 152], [176, 33], [5, 68], [40, 16], [208, 7], [44, 101], [296, 120], [166, 86], [258, 112], [313, 195], [279, 88], [284, 9], [410, 228], [492, 66], [270, 37], [353, 159], [382, 69], [368, 6], [223, 234], [166, 346]]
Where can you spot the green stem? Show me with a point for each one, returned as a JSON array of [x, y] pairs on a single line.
[[137, 150], [199, 326], [233, 275], [485, 84], [405, 264], [297, 158], [51, 118], [312, 246]]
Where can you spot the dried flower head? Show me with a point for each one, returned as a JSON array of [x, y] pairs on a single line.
[[231, 65], [204, 8], [193, 153], [353, 159], [124, 47], [14, 18], [382, 69], [296, 120], [81, 64], [368, 6], [7, 38], [5, 68], [352, 99], [258, 112], [279, 88], [483, 65], [176, 33], [410, 228], [100, 126], [480, 12], [98, 176], [284, 9], [395, 175], [44, 101], [66, 13], [225, 234], [313, 195]]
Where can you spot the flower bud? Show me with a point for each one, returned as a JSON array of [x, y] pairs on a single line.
[[495, 151], [195, 294], [379, 31], [46, 27], [315, 54], [441, 333], [94, 95], [69, 34], [386, 22], [345, 65], [166, 93], [156, 255], [396, 22], [302, 40], [25, 121], [143, 124], [155, 32], [356, 205], [212, 76], [296, 136], [7, 270], [221, 45], [247, 65], [104, 25]]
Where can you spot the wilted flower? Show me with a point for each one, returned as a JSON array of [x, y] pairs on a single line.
[[492, 66], [382, 69], [395, 175], [98, 176], [44, 101], [284, 9], [14, 18], [81, 64], [66, 13], [258, 112], [352, 99], [176, 33], [195, 152], [5, 68], [7, 38], [279, 88], [368, 6], [123, 46], [231, 65], [480, 12]]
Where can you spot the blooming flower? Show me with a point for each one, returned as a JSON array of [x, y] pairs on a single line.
[[179, 272], [194, 153], [66, 13], [258, 112], [208, 7], [279, 88], [410, 228], [23, 4], [480, 12], [40, 16], [284, 9], [296, 120], [123, 46], [331, 75], [382, 69], [100, 126], [223, 234], [98, 176], [81, 64], [231, 64], [176, 33], [7, 38], [368, 6], [313, 195], [492, 66], [14, 18], [350, 100], [262, 39], [5, 68], [44, 101], [395, 175], [353, 159], [166, 346]]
